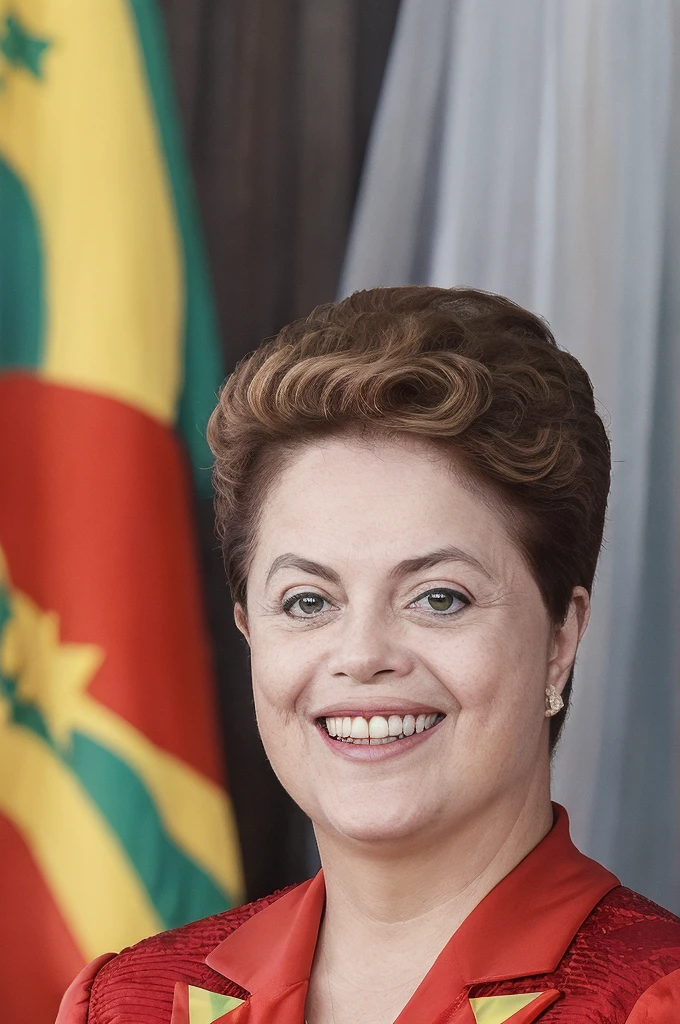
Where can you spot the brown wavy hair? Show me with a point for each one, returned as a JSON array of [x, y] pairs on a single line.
[[472, 373]]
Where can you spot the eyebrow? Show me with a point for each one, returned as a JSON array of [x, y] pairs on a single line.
[[432, 558], [407, 567], [291, 561]]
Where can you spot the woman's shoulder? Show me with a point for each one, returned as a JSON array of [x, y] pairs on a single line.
[[640, 926], [625, 955], [114, 986]]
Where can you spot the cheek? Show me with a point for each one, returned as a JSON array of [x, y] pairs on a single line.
[[273, 694], [279, 678], [494, 669], [276, 689], [274, 713]]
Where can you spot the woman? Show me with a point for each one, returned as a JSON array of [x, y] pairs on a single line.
[[411, 490]]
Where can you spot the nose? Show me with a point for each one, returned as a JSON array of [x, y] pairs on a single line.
[[368, 651]]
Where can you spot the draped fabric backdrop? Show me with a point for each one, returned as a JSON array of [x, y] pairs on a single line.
[[277, 101], [533, 149]]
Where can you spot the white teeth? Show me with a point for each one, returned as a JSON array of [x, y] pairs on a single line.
[[359, 729], [378, 728], [409, 725], [395, 725]]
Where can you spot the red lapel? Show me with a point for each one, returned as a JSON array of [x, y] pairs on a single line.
[[271, 955]]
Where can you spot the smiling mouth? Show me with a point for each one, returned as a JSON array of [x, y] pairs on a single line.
[[377, 729]]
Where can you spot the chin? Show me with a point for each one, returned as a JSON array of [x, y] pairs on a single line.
[[376, 826]]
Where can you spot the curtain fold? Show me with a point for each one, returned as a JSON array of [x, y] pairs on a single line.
[[532, 149]]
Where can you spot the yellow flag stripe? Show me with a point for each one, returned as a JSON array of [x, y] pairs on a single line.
[[196, 812], [86, 868], [84, 141], [498, 1009]]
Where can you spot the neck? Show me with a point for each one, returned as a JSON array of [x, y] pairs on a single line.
[[432, 886]]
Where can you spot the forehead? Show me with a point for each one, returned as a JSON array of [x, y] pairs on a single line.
[[376, 502]]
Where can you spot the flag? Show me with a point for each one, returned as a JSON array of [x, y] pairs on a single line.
[[114, 819]]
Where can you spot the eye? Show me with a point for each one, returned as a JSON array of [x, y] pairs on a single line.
[[306, 605], [442, 601]]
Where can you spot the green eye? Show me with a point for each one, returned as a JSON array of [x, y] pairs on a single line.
[[442, 601]]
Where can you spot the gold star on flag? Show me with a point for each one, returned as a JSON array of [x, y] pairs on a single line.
[[49, 674]]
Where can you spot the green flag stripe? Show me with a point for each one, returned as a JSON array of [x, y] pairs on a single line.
[[22, 287], [179, 890], [202, 358]]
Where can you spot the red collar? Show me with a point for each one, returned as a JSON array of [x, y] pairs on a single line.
[[520, 929]]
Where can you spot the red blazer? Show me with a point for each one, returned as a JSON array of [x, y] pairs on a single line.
[[558, 940]]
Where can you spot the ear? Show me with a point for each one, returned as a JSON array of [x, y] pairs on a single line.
[[241, 620], [567, 638]]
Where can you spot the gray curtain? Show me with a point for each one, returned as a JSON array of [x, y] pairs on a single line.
[[276, 102]]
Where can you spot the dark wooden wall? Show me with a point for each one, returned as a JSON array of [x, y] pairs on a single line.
[[276, 98]]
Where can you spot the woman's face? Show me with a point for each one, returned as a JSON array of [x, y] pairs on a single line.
[[386, 600]]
